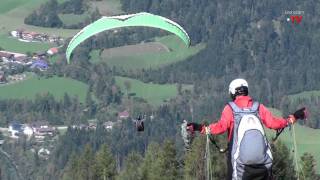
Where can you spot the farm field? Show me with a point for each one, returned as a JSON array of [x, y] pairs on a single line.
[[12, 44], [57, 86], [13, 12], [155, 94], [135, 58], [71, 19], [108, 7]]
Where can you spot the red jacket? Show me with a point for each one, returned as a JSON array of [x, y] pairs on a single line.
[[226, 121]]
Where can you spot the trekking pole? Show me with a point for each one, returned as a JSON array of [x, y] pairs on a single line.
[[295, 149], [208, 156], [277, 135]]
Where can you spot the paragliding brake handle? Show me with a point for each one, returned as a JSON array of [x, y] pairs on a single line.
[[213, 141]]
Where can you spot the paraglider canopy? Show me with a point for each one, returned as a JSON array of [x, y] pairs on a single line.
[[140, 19]]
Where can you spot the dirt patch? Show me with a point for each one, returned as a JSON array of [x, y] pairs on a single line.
[[138, 49]]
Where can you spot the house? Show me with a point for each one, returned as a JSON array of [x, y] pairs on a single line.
[[92, 127], [39, 64], [27, 130], [15, 34], [80, 126], [53, 39], [6, 56], [11, 56], [15, 130], [108, 125], [42, 129], [123, 115], [52, 51]]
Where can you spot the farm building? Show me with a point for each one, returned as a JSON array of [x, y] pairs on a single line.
[[52, 51], [11, 56], [15, 130], [39, 64], [123, 115]]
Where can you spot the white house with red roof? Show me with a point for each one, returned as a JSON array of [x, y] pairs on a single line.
[[123, 115]]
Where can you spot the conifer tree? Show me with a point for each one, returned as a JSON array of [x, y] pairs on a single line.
[[132, 167], [308, 165], [105, 166]]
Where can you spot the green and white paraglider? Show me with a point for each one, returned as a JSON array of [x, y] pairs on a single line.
[[132, 20]]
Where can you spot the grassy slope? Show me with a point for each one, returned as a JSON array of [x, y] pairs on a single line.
[[13, 12], [179, 52], [108, 7], [304, 95], [153, 93], [12, 44], [307, 139], [32, 86], [71, 19]]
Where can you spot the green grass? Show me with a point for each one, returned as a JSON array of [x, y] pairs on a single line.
[[94, 56], [71, 19], [7, 5], [179, 52], [12, 44], [304, 95], [108, 7], [13, 12], [307, 139], [155, 94], [57, 86]]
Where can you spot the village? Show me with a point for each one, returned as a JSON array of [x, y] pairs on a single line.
[[42, 134], [35, 60]]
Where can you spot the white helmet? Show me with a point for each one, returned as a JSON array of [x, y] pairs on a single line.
[[236, 84]]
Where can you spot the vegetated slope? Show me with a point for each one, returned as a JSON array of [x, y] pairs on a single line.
[[307, 141], [108, 7], [246, 39], [57, 86], [12, 14], [307, 138], [153, 58], [155, 94], [12, 44], [306, 95]]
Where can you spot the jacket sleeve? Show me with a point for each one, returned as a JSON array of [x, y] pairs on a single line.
[[224, 123], [271, 121]]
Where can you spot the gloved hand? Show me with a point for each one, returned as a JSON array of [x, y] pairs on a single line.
[[194, 127], [301, 113], [291, 119]]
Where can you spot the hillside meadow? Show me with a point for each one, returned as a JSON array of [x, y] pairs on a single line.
[[57, 86]]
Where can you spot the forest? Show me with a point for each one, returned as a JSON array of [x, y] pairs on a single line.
[[247, 39]]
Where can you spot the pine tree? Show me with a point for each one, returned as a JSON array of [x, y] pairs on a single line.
[[105, 166], [149, 167], [86, 164], [132, 167], [283, 165], [194, 160], [168, 161], [308, 167], [72, 168]]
